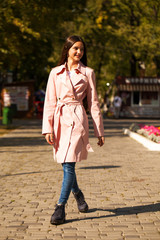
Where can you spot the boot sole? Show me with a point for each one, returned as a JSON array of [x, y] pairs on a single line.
[[58, 222], [84, 210]]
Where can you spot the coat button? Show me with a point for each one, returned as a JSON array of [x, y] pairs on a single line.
[[59, 98], [73, 98]]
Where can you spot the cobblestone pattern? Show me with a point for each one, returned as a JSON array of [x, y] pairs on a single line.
[[121, 183]]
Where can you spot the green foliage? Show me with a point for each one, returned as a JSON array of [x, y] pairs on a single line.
[[118, 34]]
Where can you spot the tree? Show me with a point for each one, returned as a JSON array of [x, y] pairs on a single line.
[[31, 31], [119, 35]]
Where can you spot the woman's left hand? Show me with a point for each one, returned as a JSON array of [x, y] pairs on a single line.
[[101, 141]]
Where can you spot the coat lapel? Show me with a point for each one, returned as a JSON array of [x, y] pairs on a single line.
[[77, 78], [79, 75], [69, 83], [62, 74]]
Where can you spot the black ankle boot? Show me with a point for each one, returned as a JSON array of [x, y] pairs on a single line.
[[58, 216], [81, 203]]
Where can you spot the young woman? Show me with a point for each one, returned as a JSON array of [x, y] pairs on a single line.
[[65, 122]]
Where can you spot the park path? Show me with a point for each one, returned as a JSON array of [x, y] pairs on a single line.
[[121, 183]]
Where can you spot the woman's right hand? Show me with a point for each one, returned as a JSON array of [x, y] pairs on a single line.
[[49, 138], [101, 141]]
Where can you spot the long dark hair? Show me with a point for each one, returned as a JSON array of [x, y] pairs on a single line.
[[70, 41]]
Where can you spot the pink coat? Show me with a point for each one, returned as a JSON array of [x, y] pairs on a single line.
[[65, 116]]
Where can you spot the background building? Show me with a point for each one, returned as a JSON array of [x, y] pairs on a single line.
[[140, 96]]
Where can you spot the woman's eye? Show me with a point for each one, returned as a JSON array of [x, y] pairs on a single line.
[[76, 48]]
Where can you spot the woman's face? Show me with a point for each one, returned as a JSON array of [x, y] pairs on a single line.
[[76, 52]]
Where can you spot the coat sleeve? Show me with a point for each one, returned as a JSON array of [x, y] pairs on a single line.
[[49, 105], [93, 105]]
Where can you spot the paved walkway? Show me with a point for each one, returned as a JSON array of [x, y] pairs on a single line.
[[121, 182]]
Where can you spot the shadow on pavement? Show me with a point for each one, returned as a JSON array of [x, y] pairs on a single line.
[[121, 211], [26, 173], [100, 167], [21, 151], [131, 210], [21, 141]]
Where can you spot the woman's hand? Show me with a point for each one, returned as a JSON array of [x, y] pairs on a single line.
[[49, 138], [101, 141]]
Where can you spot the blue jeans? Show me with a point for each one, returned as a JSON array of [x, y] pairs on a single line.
[[69, 182]]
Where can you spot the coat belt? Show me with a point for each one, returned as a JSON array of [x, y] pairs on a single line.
[[69, 122], [61, 104]]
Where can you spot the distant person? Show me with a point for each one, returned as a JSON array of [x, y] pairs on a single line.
[[117, 103], [107, 101], [65, 122], [105, 105]]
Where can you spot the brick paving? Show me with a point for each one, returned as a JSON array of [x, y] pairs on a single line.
[[121, 183]]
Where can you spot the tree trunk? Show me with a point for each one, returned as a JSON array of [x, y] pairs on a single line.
[[157, 62], [100, 64], [133, 66]]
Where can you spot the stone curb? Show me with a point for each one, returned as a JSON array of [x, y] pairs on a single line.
[[144, 141]]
